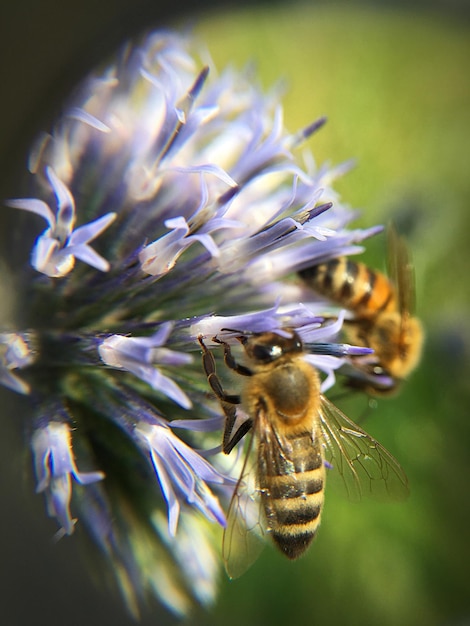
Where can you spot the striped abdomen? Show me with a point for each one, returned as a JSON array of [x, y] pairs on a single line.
[[352, 285], [291, 480]]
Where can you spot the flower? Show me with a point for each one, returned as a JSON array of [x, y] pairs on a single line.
[[55, 250], [182, 473], [55, 466], [15, 353], [200, 215], [137, 355]]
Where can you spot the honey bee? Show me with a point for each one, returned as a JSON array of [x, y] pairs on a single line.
[[298, 434], [382, 308]]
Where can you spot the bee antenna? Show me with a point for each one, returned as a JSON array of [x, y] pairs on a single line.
[[242, 334]]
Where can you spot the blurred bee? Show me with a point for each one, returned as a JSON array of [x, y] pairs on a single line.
[[382, 307], [297, 433]]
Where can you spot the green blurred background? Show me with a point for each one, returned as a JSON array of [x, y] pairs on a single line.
[[394, 82]]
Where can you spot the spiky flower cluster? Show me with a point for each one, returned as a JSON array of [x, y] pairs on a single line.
[[174, 207]]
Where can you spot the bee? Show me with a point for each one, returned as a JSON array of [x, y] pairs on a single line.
[[298, 434], [382, 314]]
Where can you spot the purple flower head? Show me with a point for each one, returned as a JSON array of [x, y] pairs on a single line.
[[182, 193]]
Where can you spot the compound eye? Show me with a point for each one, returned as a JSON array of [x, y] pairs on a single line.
[[266, 354], [378, 370]]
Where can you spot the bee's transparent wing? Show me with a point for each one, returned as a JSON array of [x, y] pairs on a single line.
[[401, 271], [367, 468], [244, 535]]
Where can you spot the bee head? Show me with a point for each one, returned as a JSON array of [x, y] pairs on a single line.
[[267, 347]]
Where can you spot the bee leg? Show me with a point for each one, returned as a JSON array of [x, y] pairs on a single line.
[[227, 443], [228, 402], [230, 361], [208, 362]]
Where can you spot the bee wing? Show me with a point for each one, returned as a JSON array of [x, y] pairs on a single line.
[[244, 534], [366, 467], [401, 271]]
